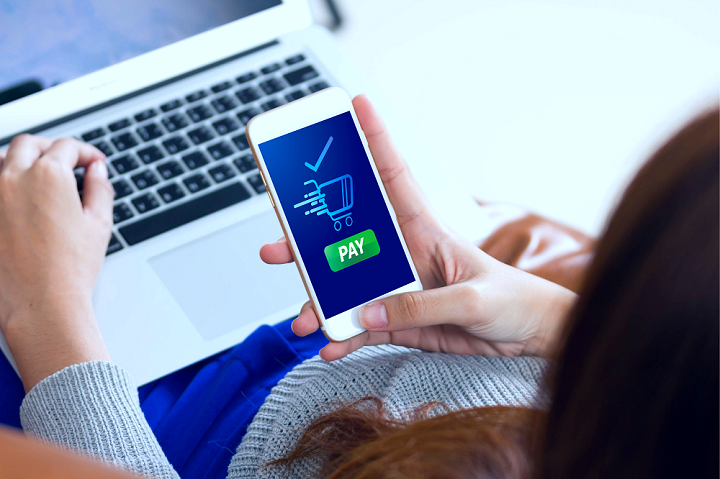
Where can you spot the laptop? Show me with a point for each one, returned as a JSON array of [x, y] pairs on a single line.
[[165, 88]]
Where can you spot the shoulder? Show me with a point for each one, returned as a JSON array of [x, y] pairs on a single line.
[[403, 378]]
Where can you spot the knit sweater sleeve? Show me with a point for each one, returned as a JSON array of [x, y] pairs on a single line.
[[94, 408]]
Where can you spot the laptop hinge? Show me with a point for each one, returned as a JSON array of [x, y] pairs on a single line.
[[127, 96]]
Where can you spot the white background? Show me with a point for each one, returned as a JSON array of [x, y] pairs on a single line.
[[547, 104]]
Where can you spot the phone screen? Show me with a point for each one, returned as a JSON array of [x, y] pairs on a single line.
[[337, 214]]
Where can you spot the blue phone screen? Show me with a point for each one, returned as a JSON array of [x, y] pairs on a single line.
[[337, 214]]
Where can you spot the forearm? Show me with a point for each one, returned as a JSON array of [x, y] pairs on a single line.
[[46, 339]]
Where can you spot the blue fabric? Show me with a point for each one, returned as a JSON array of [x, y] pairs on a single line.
[[200, 414]]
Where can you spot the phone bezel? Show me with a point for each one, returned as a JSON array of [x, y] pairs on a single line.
[[292, 117]]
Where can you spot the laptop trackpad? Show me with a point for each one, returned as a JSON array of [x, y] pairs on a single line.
[[220, 282]]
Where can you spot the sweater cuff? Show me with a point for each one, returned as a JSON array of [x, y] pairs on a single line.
[[93, 407]]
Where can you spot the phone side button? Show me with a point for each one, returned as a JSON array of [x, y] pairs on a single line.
[[267, 190]]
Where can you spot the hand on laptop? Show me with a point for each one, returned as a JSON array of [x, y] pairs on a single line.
[[471, 303], [52, 246]]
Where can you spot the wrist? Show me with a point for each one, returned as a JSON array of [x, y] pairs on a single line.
[[44, 340], [551, 324]]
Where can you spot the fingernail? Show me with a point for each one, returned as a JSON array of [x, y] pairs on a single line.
[[100, 168], [374, 316]]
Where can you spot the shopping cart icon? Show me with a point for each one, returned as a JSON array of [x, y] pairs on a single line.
[[334, 198]]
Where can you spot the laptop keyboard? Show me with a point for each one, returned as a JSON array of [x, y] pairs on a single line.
[[175, 153]]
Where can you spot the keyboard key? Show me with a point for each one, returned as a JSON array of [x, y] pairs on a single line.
[[226, 125], [196, 183], [171, 192], [200, 135], [195, 160], [257, 183], [248, 95], [301, 75], [145, 203], [221, 87], [274, 103], [93, 135], [295, 59], [122, 189], [114, 246], [245, 163], [295, 95], [174, 122], [171, 169], [241, 142], [150, 154], [246, 115], [272, 85], [270, 68], [175, 145], [221, 173], [199, 113], [104, 147], [185, 213], [79, 179], [220, 150], [246, 77], [171, 105], [145, 115], [124, 164], [145, 179], [223, 104], [124, 141], [121, 212], [198, 95], [321, 85], [119, 125], [150, 132]]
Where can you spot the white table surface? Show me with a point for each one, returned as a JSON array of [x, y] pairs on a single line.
[[547, 104]]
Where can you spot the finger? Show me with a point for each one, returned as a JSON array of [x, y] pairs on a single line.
[[448, 305], [24, 150], [276, 253], [335, 351], [307, 321], [72, 153], [98, 193], [404, 193]]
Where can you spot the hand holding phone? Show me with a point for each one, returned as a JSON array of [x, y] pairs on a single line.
[[472, 304]]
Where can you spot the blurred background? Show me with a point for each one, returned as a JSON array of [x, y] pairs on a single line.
[[568, 97]]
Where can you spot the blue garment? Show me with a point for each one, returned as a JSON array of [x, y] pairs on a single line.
[[200, 414]]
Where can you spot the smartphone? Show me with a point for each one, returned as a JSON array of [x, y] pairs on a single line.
[[332, 206]]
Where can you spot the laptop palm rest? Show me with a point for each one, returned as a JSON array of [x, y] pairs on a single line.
[[220, 282]]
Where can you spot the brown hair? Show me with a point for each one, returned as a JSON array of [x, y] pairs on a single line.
[[635, 389], [362, 441], [634, 392]]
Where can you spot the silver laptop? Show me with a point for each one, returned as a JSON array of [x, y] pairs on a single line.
[[165, 88]]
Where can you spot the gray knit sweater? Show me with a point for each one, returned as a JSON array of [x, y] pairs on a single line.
[[93, 407]]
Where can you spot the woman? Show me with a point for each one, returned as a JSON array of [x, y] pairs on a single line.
[[52, 248]]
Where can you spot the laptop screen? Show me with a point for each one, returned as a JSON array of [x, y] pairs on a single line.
[[46, 42]]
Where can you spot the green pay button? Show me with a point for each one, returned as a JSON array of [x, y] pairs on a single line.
[[352, 250]]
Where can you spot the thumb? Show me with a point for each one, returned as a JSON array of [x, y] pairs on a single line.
[[98, 193], [447, 305]]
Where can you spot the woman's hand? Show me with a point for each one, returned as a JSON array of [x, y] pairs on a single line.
[[52, 246], [471, 303]]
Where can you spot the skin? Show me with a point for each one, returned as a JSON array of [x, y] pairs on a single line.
[[52, 245]]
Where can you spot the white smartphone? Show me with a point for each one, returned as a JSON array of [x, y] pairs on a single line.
[[331, 203]]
